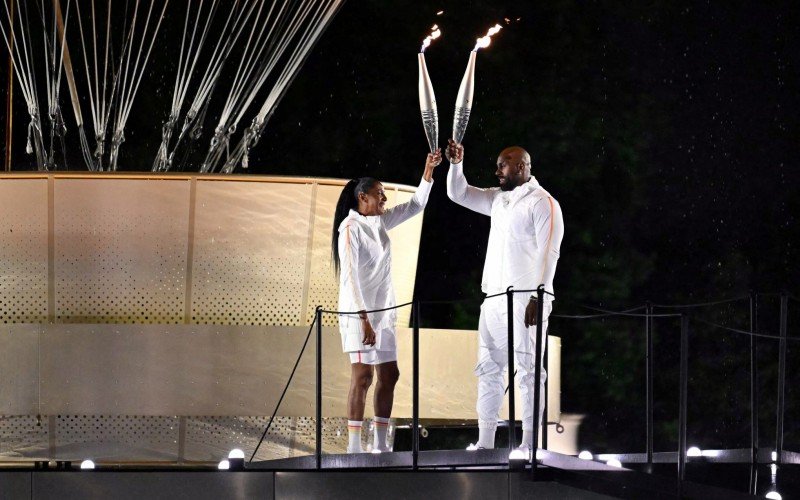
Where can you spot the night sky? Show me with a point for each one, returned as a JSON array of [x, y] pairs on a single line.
[[666, 130]]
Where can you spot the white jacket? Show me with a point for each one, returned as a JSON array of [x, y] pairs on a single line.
[[365, 280], [525, 236]]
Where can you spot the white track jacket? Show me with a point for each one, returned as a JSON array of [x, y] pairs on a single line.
[[365, 280], [525, 235]]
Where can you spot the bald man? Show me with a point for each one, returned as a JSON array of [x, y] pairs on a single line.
[[524, 243]]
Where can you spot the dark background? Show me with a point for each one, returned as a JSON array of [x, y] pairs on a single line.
[[666, 130]]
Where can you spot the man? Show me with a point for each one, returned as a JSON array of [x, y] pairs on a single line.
[[524, 243]]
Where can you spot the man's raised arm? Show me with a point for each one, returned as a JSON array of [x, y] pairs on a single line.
[[458, 190]]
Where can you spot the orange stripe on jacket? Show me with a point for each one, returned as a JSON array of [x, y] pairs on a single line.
[[350, 260], [549, 238]]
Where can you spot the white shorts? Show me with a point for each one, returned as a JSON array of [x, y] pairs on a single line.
[[373, 357]]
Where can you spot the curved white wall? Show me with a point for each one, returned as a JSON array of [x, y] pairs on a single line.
[[172, 249]]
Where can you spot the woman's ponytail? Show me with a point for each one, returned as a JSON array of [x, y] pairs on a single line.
[[348, 200]]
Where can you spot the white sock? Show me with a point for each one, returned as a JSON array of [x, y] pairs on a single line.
[[354, 435], [486, 432], [381, 427], [527, 438]]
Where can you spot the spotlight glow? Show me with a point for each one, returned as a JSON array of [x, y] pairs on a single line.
[[585, 455], [774, 495], [614, 463], [236, 453], [774, 456], [87, 465], [517, 454], [224, 465], [694, 451]]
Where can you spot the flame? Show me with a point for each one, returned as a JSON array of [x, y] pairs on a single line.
[[485, 40], [435, 33]]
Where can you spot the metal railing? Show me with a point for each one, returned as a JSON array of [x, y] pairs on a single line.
[[650, 312]]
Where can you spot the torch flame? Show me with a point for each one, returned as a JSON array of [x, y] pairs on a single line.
[[435, 33], [485, 40]]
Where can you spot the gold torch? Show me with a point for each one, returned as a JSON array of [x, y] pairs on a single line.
[[467, 88], [427, 100]]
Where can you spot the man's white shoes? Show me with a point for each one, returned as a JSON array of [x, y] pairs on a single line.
[[522, 452]]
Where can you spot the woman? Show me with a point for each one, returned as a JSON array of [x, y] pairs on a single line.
[[362, 257]]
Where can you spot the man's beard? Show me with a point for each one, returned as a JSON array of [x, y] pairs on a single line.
[[508, 185]]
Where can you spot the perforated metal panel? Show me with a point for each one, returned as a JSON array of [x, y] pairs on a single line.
[[145, 437], [210, 438], [118, 436], [323, 286], [406, 235], [120, 250], [250, 243], [176, 249], [19, 369], [23, 435], [23, 251]]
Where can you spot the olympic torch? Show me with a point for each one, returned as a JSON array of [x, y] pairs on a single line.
[[464, 99], [427, 99], [467, 88]]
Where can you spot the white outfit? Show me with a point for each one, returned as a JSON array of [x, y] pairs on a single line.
[[373, 356], [365, 280], [524, 243]]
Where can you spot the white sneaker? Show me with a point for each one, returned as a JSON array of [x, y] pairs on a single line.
[[522, 452]]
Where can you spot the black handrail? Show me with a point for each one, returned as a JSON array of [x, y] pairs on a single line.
[[541, 336]]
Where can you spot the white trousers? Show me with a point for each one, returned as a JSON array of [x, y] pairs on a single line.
[[493, 359]]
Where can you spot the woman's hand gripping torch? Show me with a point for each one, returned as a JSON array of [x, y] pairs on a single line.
[[427, 99]]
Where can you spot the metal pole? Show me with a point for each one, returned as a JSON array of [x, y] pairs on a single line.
[[753, 382], [753, 393], [781, 379], [512, 438], [10, 97], [545, 366], [648, 329], [537, 375], [318, 451], [415, 388], [684, 383]]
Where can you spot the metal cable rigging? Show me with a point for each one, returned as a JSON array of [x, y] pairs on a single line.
[[294, 30], [266, 43], [113, 81], [16, 33], [183, 76], [193, 123]]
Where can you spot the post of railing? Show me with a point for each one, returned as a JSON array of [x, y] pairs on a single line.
[[318, 451], [753, 380], [512, 438], [648, 330], [781, 379], [537, 375], [684, 383], [415, 387], [546, 367]]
